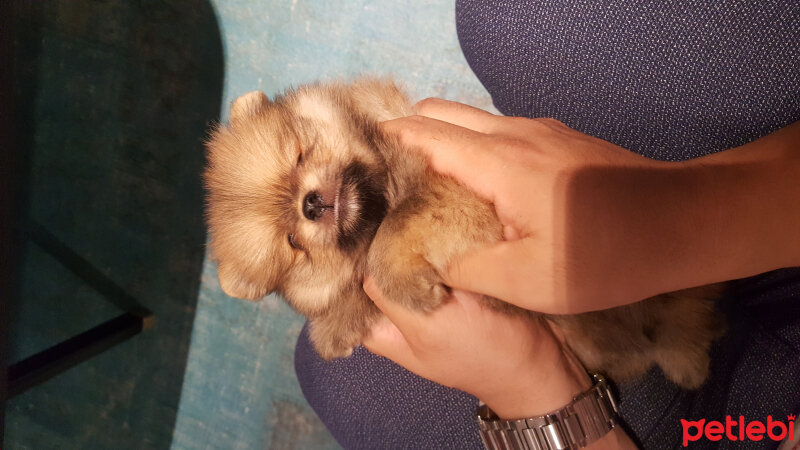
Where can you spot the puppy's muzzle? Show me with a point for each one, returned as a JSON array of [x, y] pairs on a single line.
[[314, 206]]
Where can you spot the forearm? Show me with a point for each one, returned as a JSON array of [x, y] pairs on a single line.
[[752, 194], [747, 205], [725, 216]]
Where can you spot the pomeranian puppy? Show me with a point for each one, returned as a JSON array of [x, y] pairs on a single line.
[[305, 195]]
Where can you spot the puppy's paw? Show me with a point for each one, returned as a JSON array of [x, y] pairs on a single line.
[[688, 370], [331, 343], [421, 287], [407, 278], [329, 350]]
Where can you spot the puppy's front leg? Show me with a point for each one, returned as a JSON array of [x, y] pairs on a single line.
[[343, 325], [437, 223]]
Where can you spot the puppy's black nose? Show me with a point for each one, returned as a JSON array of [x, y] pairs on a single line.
[[313, 206]]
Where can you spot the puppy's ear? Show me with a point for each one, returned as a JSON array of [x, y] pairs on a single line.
[[248, 104], [236, 286]]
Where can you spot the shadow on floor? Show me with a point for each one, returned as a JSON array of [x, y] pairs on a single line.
[[113, 100]]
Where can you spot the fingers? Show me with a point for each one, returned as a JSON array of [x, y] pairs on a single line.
[[385, 339], [453, 150], [459, 114], [401, 316], [482, 121]]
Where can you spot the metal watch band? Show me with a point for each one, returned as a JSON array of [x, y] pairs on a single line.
[[590, 416]]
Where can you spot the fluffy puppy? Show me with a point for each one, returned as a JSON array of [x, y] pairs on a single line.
[[306, 195]]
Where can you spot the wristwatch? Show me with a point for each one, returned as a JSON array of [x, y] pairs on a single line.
[[590, 416]]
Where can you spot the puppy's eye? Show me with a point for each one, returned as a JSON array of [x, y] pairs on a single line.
[[300, 158], [294, 244]]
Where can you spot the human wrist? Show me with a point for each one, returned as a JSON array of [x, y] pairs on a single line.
[[750, 203], [588, 421], [533, 391], [725, 216], [644, 220], [536, 399]]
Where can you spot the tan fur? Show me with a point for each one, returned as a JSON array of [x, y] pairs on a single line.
[[381, 210]]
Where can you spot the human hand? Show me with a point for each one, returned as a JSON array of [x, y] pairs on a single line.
[[590, 225], [513, 363], [566, 200]]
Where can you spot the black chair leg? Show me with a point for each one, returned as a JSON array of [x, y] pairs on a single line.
[[46, 364]]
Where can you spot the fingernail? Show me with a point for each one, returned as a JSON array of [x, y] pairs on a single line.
[[370, 287], [368, 282], [463, 296]]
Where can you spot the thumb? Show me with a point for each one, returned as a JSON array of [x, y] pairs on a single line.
[[403, 318], [386, 340], [508, 271], [455, 151]]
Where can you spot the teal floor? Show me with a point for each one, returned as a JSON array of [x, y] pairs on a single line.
[[115, 98]]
